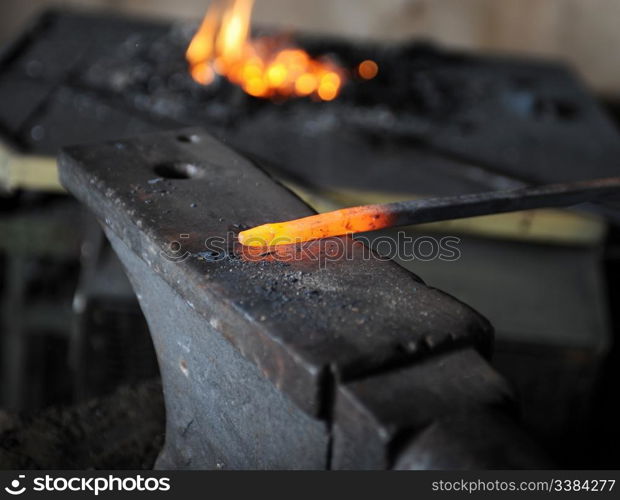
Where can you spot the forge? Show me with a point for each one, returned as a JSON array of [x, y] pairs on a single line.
[[429, 114]]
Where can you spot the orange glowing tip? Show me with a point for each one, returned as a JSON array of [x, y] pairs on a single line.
[[339, 222], [404, 213]]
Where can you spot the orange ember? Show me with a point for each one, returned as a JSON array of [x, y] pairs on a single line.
[[263, 67], [336, 223], [367, 69]]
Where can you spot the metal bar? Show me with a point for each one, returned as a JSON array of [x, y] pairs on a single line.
[[495, 202], [404, 213]]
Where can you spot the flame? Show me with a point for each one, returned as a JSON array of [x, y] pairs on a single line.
[[339, 222], [262, 67]]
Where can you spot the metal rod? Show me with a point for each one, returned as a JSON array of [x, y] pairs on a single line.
[[496, 202], [404, 213]]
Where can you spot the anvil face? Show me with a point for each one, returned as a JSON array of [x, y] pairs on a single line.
[[258, 346]]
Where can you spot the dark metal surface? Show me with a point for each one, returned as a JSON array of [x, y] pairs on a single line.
[[378, 417], [255, 354], [221, 411], [471, 440], [294, 319]]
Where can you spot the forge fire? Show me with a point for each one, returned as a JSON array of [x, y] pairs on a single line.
[[269, 66]]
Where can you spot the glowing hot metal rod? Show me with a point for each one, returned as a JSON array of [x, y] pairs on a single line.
[[405, 213]]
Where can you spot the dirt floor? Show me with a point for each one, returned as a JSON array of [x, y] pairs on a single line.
[[124, 430]]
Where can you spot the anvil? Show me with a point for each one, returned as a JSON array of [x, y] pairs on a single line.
[[314, 362]]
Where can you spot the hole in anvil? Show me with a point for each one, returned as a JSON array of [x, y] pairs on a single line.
[[193, 138], [178, 170], [566, 110], [560, 109]]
